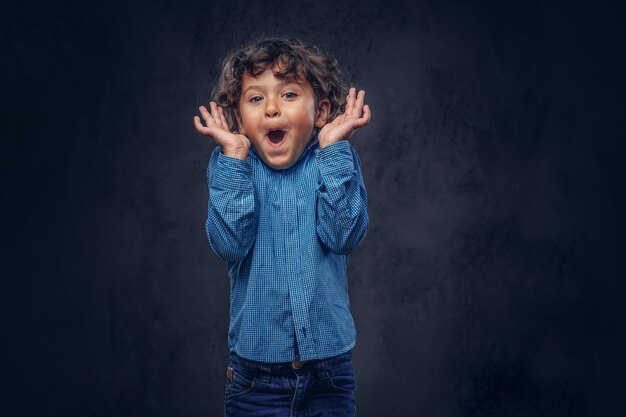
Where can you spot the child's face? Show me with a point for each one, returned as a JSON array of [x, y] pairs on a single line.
[[279, 116]]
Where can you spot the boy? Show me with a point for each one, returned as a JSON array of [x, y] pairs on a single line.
[[287, 205]]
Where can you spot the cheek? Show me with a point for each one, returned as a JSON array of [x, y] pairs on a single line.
[[247, 113], [248, 123], [305, 118]]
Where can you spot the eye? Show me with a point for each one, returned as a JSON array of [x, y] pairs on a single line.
[[256, 99], [289, 95]]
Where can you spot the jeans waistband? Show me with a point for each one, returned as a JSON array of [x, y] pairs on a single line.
[[285, 368]]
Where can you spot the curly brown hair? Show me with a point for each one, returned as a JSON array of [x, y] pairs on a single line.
[[288, 58]]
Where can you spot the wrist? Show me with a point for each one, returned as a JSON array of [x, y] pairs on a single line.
[[239, 153], [324, 143]]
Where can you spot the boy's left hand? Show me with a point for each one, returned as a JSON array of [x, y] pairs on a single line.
[[355, 116]]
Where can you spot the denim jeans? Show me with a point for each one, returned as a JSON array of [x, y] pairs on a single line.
[[320, 388]]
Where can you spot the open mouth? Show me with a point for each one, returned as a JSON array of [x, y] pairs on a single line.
[[276, 136]]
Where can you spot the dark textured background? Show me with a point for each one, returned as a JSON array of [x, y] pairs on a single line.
[[491, 281]]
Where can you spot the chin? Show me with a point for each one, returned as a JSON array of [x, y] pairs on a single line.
[[278, 164]]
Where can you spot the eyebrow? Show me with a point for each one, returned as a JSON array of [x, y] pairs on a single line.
[[282, 83]]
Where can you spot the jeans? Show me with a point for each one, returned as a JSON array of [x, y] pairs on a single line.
[[320, 388]]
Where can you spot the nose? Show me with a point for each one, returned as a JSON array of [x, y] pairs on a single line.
[[271, 108]]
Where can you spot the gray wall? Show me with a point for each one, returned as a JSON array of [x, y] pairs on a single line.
[[489, 284]]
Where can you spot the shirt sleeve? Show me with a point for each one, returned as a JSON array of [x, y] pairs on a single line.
[[341, 198], [233, 212]]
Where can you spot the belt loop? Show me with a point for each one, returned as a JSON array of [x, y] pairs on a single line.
[[265, 372], [322, 373]]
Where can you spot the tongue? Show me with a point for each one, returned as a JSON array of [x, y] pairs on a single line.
[[276, 136]]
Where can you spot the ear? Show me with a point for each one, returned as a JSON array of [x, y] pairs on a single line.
[[321, 113]]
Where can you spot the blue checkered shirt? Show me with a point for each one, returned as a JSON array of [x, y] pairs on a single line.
[[286, 235]]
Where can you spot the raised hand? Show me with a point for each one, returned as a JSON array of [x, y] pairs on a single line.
[[233, 144], [354, 117]]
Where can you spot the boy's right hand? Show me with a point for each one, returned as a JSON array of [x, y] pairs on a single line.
[[233, 144]]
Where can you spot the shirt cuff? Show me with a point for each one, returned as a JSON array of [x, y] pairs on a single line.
[[335, 158], [233, 173]]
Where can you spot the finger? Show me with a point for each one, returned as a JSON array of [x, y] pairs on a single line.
[[222, 117], [350, 101], [215, 114], [205, 115], [358, 105], [198, 124], [365, 120]]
